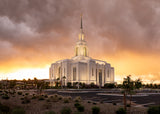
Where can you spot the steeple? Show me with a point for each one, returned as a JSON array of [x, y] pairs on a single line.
[[81, 35], [81, 49]]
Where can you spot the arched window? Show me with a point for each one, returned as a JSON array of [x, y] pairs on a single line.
[[85, 51], [76, 51], [59, 72]]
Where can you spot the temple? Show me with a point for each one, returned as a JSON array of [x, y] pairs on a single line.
[[81, 67]]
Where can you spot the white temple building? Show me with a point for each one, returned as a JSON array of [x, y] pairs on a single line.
[[81, 67]]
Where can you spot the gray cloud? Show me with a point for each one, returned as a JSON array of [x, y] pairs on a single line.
[[52, 26]]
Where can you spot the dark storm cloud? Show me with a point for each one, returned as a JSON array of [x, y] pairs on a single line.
[[51, 26]]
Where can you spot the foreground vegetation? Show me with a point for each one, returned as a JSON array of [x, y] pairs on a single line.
[[20, 102]]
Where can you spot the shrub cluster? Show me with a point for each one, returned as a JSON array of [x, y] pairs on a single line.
[[154, 110], [79, 107], [66, 110], [95, 110], [121, 111]]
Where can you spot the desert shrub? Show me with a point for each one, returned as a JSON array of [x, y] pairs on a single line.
[[60, 97], [89, 101], [154, 110], [34, 97], [70, 98], [18, 110], [26, 100], [19, 93], [46, 96], [47, 105], [22, 98], [77, 104], [50, 112], [5, 96], [80, 108], [78, 99], [26, 93], [4, 109], [66, 100], [66, 110], [121, 111], [41, 98], [95, 110], [54, 99], [48, 100], [128, 105]]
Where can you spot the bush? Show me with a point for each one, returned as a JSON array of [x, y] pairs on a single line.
[[78, 99], [4, 109], [26, 100], [128, 105], [19, 93], [89, 101], [41, 98], [18, 111], [114, 103], [94, 103], [80, 108], [69, 84], [50, 112], [154, 110], [5, 96], [66, 100], [121, 111], [95, 110], [26, 93], [76, 105], [109, 85], [66, 110]]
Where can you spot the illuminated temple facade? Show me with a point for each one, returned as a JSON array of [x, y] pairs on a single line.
[[81, 67]]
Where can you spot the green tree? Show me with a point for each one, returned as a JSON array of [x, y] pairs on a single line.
[[128, 86], [138, 83]]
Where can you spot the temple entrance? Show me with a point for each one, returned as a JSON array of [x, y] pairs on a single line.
[[100, 77]]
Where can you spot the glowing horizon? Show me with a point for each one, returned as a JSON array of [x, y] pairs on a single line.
[[123, 33]]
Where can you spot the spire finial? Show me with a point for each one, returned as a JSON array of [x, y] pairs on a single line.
[[81, 22]]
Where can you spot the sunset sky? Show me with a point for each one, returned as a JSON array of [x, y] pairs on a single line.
[[36, 33]]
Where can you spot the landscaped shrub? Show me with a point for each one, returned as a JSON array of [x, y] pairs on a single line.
[[5, 96], [89, 101], [60, 97], [69, 84], [78, 99], [18, 110], [34, 97], [46, 96], [80, 108], [128, 105], [26, 93], [41, 98], [66, 110], [77, 104], [154, 110], [94, 103], [19, 93], [4, 109], [50, 112], [66, 100], [114, 103], [121, 111], [47, 105], [26, 100], [95, 110]]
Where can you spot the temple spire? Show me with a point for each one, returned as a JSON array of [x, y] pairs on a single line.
[[81, 35], [81, 22]]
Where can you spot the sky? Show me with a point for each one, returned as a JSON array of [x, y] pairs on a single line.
[[36, 33]]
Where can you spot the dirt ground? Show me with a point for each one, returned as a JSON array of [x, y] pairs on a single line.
[[56, 103]]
